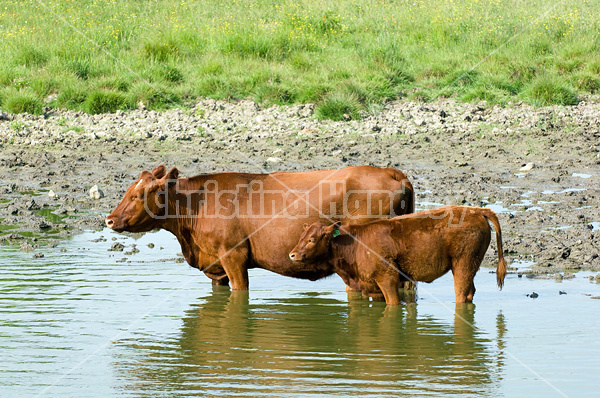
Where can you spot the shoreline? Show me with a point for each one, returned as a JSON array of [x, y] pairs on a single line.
[[538, 168]]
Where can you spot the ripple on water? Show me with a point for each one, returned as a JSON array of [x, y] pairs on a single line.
[[86, 325]]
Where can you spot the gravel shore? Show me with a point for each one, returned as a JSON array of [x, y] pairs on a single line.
[[539, 168]]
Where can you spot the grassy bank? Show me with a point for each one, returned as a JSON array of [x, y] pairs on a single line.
[[344, 55]]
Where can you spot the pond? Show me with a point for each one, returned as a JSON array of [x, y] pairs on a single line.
[[79, 322]]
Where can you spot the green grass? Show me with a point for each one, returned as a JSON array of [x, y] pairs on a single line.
[[21, 102], [344, 56]]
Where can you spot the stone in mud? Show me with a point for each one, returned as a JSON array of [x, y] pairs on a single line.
[[26, 247], [558, 277], [116, 247], [52, 194], [31, 205], [96, 193], [38, 255], [527, 167]]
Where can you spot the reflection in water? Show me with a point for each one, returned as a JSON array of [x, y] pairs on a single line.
[[310, 345]]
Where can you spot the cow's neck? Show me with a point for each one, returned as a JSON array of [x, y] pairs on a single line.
[[343, 252], [183, 217]]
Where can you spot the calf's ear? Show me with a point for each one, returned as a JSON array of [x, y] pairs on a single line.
[[159, 171], [334, 230]]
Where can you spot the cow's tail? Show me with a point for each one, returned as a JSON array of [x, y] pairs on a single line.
[[501, 270], [407, 203]]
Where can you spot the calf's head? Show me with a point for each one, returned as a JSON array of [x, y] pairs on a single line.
[[315, 242], [143, 206]]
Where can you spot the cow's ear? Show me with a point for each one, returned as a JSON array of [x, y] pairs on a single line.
[[305, 226], [159, 171], [172, 176]]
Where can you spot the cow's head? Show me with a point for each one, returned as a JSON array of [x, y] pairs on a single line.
[[315, 242], [143, 206]]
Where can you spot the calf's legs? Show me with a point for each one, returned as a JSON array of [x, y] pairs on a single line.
[[464, 271]]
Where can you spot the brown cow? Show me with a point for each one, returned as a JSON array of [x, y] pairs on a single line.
[[419, 247], [227, 223]]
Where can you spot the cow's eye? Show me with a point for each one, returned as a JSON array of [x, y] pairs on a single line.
[[311, 240]]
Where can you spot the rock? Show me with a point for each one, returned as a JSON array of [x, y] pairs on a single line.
[[38, 255], [527, 167], [151, 245], [95, 193], [31, 205], [533, 295], [420, 122], [274, 159], [558, 277], [51, 194], [560, 292], [26, 247], [116, 247], [376, 128]]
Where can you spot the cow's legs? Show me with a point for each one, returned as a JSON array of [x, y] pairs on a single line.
[[235, 264], [389, 287], [471, 292], [224, 281]]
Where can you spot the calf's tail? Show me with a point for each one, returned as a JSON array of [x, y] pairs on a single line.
[[501, 270]]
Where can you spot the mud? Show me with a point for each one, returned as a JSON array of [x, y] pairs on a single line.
[[539, 168]]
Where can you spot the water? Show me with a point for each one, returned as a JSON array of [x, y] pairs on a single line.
[[81, 324]]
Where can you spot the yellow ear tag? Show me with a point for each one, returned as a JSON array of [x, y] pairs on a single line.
[[336, 233]]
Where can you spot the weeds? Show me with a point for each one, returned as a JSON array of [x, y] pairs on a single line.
[[344, 55], [104, 101], [338, 107], [22, 102], [548, 90]]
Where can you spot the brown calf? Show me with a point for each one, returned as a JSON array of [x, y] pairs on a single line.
[[417, 247]]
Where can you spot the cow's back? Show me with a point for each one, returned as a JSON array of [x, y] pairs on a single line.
[[353, 194]]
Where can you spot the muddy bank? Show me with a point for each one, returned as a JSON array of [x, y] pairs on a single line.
[[538, 168]]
